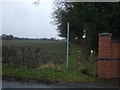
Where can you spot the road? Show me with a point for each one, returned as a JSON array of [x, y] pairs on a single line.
[[12, 83]]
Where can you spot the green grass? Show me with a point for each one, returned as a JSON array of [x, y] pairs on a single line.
[[50, 74], [72, 57]]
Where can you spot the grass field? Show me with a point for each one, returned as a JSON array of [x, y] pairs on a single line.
[[33, 51], [42, 60], [28, 43]]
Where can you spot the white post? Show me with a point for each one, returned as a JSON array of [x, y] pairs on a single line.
[[67, 45]]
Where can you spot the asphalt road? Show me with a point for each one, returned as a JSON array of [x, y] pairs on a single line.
[[12, 83]]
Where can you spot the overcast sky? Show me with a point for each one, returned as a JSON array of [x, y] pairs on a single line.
[[27, 20]]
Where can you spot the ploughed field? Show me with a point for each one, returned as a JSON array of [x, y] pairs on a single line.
[[32, 53]]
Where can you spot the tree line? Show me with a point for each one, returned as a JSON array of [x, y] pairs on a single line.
[[11, 37]]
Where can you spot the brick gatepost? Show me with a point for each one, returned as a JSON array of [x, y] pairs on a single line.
[[104, 54]]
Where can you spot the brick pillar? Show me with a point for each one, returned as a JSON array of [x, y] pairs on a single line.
[[104, 54]]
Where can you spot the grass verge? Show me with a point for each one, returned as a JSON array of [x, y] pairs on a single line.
[[47, 74]]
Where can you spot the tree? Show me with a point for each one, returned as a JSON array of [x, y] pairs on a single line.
[[7, 37], [93, 17], [64, 12]]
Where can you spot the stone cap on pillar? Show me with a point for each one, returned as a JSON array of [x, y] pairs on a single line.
[[105, 34]]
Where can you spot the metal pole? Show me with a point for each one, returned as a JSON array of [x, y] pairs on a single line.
[[67, 45]]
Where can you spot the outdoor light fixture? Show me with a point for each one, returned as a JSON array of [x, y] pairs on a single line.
[[91, 51]]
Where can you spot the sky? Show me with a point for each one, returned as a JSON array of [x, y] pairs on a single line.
[[24, 19]]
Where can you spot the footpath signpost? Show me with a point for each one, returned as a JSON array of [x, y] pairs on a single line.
[[67, 59]]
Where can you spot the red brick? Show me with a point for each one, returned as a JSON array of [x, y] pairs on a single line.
[[108, 68]]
